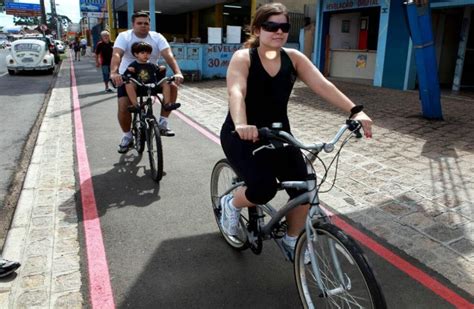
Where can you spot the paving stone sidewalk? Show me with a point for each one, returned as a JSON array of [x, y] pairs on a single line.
[[412, 184], [44, 231]]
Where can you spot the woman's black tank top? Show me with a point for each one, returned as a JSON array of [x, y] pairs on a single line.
[[267, 97]]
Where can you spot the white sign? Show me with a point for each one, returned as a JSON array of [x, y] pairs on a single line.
[[233, 34], [214, 35], [94, 14]]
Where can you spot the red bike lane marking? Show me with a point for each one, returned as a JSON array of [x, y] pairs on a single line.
[[100, 288], [414, 272]]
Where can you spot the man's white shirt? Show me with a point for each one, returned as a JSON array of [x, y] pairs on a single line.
[[126, 39]]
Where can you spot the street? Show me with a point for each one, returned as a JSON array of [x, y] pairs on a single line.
[[121, 240], [3, 65], [22, 98]]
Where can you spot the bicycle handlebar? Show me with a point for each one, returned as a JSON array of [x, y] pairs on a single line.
[[282, 136], [128, 78]]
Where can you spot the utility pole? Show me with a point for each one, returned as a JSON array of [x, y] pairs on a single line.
[[111, 17], [43, 13]]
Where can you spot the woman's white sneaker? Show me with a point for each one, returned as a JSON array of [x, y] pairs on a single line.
[[229, 216]]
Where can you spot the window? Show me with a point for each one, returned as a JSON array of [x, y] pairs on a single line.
[[346, 26]]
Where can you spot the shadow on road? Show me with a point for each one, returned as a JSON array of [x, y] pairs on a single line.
[[127, 184]]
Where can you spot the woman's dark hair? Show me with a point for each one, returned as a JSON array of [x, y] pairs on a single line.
[[139, 47], [261, 15], [139, 14]]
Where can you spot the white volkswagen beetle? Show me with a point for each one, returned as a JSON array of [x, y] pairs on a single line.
[[29, 55]]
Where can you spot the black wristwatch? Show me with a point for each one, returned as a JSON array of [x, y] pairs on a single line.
[[356, 109]]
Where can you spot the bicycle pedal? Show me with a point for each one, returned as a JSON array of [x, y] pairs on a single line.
[[280, 231]]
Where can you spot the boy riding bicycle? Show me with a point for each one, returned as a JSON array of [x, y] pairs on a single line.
[[147, 73]]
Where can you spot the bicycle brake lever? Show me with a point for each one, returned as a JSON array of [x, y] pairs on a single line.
[[269, 146]]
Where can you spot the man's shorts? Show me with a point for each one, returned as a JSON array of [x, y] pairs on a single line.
[[105, 72]]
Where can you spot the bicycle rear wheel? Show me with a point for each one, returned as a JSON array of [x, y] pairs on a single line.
[[357, 288], [155, 151], [222, 178]]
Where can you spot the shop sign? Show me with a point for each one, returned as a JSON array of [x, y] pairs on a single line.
[[217, 58], [93, 5], [338, 5]]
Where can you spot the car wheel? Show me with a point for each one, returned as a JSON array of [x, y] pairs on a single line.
[[11, 72]]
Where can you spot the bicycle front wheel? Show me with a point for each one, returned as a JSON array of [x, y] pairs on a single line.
[[353, 286], [155, 151], [139, 135], [222, 179]]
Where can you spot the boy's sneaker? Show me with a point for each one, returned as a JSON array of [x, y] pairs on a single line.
[[229, 216], [108, 90], [7, 267], [171, 106], [125, 144], [289, 246]]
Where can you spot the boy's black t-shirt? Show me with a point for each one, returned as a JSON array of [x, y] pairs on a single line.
[[144, 72]]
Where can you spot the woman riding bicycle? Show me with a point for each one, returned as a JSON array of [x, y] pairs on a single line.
[[260, 79]]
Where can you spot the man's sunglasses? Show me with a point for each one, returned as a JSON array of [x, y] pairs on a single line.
[[271, 26]]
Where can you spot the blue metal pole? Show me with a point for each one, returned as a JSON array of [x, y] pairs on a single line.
[[419, 20], [152, 15], [130, 8]]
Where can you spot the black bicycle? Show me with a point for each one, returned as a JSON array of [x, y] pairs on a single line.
[[145, 128]]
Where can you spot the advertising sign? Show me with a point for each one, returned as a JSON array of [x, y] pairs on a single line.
[[22, 9], [337, 5], [93, 6]]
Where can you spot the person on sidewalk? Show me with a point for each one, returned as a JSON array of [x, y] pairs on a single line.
[[83, 44], [7, 267], [76, 46], [103, 56], [260, 79], [122, 57]]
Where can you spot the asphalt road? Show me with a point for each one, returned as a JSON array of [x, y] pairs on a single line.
[[21, 97], [3, 65], [161, 241]]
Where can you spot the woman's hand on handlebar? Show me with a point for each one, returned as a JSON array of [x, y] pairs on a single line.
[[247, 132], [366, 123], [116, 79]]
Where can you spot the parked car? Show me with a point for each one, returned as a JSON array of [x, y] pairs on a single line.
[[49, 42], [30, 55], [60, 46]]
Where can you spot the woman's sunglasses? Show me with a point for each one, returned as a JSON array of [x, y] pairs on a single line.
[[271, 26]]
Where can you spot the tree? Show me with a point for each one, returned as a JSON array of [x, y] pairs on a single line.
[[35, 21]]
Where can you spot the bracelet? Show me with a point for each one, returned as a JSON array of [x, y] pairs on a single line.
[[356, 109]]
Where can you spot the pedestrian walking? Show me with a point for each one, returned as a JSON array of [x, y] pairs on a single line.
[[83, 43], [76, 46], [103, 56]]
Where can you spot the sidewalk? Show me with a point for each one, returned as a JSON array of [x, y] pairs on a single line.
[[411, 185], [44, 231]]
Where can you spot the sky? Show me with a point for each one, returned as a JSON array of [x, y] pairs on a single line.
[[69, 8]]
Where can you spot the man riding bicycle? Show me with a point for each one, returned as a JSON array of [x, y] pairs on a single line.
[[122, 57]]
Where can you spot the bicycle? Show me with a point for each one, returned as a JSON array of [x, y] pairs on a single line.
[[338, 274], [145, 127]]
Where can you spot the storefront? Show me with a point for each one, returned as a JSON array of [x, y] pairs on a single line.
[[349, 37]]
